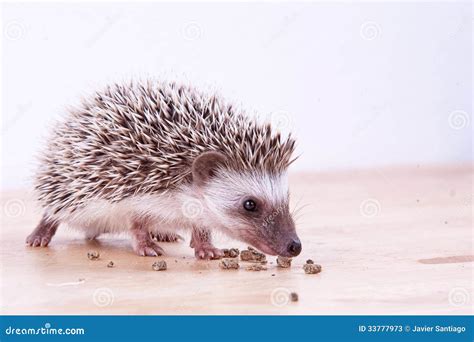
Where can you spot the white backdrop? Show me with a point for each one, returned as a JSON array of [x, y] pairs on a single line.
[[361, 85]]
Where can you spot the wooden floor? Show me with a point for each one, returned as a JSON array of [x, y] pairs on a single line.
[[390, 241]]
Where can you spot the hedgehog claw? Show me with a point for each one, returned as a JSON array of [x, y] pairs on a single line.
[[34, 240], [151, 251], [45, 241], [43, 233], [203, 247], [208, 252], [149, 248]]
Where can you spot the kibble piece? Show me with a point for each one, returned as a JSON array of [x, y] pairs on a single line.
[[251, 254], [294, 296], [256, 267], [110, 264], [234, 252], [283, 262], [159, 265], [246, 255], [229, 264], [93, 255], [309, 261], [312, 268], [231, 252]]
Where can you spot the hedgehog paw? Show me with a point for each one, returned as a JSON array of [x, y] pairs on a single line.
[[149, 248], [44, 232], [38, 240], [207, 252]]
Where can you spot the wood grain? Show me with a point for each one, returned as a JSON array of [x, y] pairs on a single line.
[[372, 231]]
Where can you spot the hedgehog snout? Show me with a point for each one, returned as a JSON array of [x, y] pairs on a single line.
[[294, 247], [278, 236]]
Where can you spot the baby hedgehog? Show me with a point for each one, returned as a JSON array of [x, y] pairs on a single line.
[[151, 158]]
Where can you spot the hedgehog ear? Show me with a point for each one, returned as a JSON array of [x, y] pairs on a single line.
[[205, 166]]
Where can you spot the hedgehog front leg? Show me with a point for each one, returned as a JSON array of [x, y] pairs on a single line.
[[201, 241], [142, 241], [43, 233], [166, 237]]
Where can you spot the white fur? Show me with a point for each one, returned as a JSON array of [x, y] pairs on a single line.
[[228, 189], [183, 208]]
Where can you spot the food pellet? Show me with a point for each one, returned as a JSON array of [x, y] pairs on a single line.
[[294, 296], [110, 264], [251, 254], [159, 265], [229, 264], [231, 252], [312, 268], [256, 267], [283, 262], [93, 255]]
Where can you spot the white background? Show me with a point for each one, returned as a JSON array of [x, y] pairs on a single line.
[[361, 85]]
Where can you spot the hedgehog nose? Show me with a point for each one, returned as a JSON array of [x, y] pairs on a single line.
[[294, 247]]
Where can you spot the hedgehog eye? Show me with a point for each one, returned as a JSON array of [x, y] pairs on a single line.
[[250, 205]]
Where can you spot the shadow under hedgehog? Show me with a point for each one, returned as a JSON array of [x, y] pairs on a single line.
[[154, 157]]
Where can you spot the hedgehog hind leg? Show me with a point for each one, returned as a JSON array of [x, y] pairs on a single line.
[[43, 233], [142, 242], [166, 236]]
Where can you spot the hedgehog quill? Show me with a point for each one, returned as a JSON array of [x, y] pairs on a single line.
[[150, 158]]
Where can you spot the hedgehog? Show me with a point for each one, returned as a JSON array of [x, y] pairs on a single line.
[[151, 158]]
